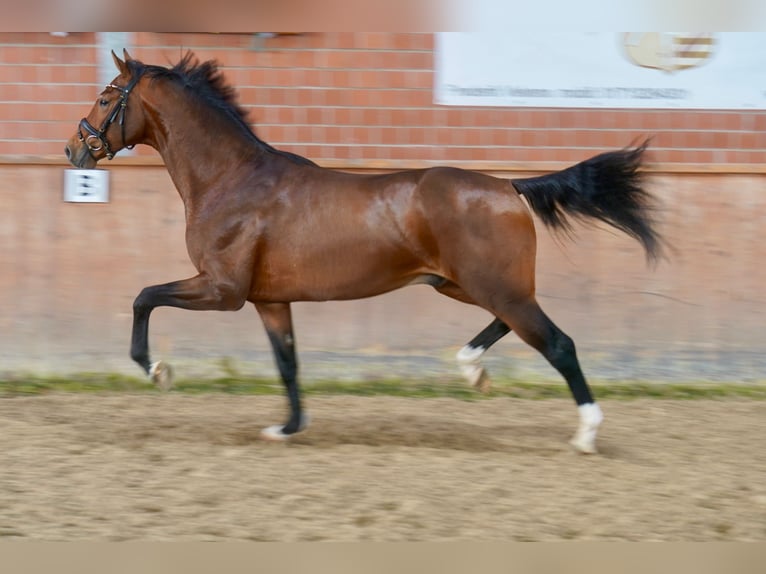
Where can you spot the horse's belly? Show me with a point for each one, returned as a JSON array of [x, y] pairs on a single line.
[[329, 275]]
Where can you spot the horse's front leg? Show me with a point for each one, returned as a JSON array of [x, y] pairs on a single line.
[[201, 293], [277, 319]]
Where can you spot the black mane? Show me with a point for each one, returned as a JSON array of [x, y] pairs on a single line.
[[207, 82]]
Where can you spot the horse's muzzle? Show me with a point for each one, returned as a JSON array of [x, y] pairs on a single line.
[[78, 154]]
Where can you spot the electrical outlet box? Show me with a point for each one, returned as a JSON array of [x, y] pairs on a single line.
[[86, 185]]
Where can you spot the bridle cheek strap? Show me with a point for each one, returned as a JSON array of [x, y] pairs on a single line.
[[95, 140]]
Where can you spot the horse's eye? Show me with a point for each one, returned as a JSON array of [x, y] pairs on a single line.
[[103, 103]]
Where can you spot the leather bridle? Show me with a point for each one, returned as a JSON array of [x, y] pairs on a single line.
[[96, 138]]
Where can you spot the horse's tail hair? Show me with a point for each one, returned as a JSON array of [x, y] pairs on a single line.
[[607, 187]]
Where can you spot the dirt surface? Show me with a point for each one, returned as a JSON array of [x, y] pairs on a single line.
[[180, 467]]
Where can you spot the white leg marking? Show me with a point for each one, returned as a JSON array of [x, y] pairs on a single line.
[[469, 354], [469, 360], [161, 375], [275, 433], [584, 439]]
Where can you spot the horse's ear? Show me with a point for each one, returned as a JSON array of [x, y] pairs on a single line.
[[126, 55], [121, 66]]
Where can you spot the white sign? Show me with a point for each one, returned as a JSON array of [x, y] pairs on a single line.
[[700, 70], [86, 185]]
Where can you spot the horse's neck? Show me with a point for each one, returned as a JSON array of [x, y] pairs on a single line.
[[202, 159]]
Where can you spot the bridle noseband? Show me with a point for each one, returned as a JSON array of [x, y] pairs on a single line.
[[96, 138]]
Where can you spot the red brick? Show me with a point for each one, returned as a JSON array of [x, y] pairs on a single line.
[[300, 88]]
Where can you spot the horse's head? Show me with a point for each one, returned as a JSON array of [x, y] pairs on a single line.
[[115, 121]]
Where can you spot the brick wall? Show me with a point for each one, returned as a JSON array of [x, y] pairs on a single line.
[[45, 82], [356, 99]]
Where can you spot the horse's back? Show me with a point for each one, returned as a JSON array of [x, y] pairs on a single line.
[[443, 211]]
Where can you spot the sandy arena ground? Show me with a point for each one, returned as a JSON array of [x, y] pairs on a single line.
[[181, 467]]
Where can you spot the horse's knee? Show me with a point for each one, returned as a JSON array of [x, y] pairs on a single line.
[[142, 302], [229, 296]]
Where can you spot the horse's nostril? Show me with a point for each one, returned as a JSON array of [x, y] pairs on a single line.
[[68, 152]]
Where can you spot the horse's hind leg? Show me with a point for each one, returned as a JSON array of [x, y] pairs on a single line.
[[535, 328], [469, 357], [277, 319]]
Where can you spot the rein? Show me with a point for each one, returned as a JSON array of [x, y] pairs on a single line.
[[96, 138]]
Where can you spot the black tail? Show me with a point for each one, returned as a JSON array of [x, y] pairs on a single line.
[[606, 187]]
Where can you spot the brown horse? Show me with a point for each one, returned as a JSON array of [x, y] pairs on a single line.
[[271, 227]]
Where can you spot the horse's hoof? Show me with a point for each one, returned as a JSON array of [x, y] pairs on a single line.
[[161, 375], [583, 445], [481, 382], [275, 433]]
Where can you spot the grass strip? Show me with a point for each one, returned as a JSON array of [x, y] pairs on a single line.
[[416, 388]]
